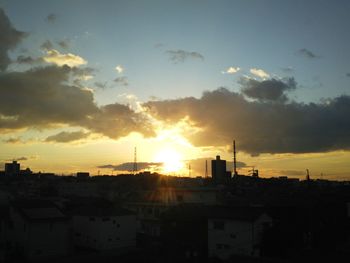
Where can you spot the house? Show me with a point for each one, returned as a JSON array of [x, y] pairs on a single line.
[[103, 227], [38, 229], [149, 205], [184, 233], [236, 231]]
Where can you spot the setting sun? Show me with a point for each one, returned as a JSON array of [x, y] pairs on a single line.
[[171, 159]]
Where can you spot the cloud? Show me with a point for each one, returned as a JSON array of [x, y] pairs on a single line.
[[13, 140], [42, 98], [180, 56], [221, 115], [231, 70], [21, 59], [117, 120], [47, 45], [267, 90], [55, 57], [9, 39], [130, 166], [348, 74], [23, 158], [63, 43], [287, 69], [259, 73], [119, 69], [307, 53], [122, 81], [51, 18], [100, 85], [64, 137]]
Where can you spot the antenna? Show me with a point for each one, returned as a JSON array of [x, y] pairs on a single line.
[[135, 161], [206, 168], [234, 159], [307, 175]]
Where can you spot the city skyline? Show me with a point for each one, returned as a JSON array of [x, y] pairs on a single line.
[[83, 83]]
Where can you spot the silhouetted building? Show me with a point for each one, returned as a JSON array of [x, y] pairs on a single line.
[[103, 227], [218, 171], [12, 168], [236, 231], [83, 175], [39, 229]]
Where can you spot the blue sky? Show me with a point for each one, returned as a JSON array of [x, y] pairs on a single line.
[[263, 42], [245, 34]]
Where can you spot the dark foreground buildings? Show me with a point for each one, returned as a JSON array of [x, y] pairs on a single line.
[[153, 218]]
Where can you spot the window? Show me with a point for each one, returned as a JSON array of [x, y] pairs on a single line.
[[105, 219], [77, 234], [219, 225], [233, 236], [92, 219], [218, 246]]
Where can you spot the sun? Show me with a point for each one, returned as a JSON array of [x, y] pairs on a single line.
[[171, 160]]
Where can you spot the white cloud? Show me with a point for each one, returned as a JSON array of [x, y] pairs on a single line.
[[119, 69], [231, 70], [55, 57], [259, 73]]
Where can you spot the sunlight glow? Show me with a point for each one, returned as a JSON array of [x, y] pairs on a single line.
[[171, 159]]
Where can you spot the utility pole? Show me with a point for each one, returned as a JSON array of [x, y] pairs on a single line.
[[234, 158], [135, 161]]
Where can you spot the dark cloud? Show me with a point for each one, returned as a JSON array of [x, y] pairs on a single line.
[[64, 44], [307, 53], [267, 90], [23, 158], [101, 85], [260, 127], [47, 45], [130, 166], [51, 18], [122, 81], [348, 74], [9, 39], [117, 120], [64, 137], [180, 56], [42, 97], [21, 59]]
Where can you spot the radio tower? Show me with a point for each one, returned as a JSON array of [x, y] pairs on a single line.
[[135, 162], [206, 168], [234, 158]]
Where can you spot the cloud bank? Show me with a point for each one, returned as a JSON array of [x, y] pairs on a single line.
[[261, 126], [9, 39]]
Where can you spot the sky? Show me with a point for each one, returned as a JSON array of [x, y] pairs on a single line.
[[82, 83]]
